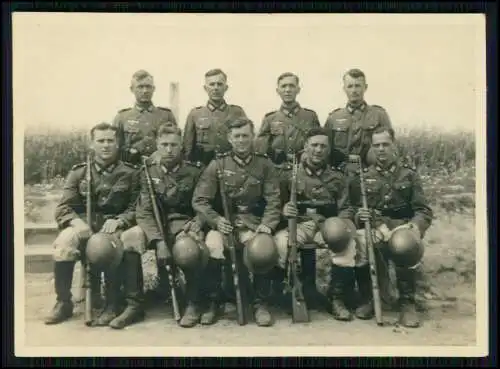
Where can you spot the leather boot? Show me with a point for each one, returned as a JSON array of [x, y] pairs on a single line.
[[63, 280], [133, 287], [406, 280], [95, 283], [191, 315], [262, 291], [211, 292], [314, 299], [111, 308], [341, 286], [365, 309]]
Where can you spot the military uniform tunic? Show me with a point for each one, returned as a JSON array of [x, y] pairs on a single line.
[[137, 129], [115, 190], [395, 194], [206, 130], [174, 191], [320, 193], [252, 191], [351, 129], [284, 130]]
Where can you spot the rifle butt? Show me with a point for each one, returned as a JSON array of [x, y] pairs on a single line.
[[300, 313]]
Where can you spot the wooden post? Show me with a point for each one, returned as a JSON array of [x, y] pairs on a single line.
[[174, 99]]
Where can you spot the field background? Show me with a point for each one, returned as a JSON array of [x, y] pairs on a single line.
[[446, 162]]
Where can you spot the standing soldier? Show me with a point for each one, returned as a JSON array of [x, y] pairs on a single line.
[[206, 128], [283, 132], [351, 127], [173, 180], [320, 194], [115, 188], [253, 194], [137, 125], [400, 216]]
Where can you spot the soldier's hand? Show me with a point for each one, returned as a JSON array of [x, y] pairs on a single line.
[[192, 226], [364, 214], [133, 151], [163, 255], [224, 226], [111, 226], [290, 210], [81, 228]]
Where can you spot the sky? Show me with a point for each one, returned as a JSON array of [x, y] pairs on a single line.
[[71, 71]]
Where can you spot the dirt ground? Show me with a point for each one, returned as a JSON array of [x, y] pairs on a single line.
[[450, 324]]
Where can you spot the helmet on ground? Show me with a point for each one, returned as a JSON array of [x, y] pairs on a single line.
[[405, 249], [337, 233], [104, 251], [260, 255], [189, 254]]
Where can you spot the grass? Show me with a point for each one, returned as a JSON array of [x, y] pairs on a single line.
[[445, 161]]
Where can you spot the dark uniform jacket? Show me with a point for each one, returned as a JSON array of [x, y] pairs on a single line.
[[206, 131], [351, 129], [251, 188], [320, 192], [173, 190], [296, 121], [114, 193], [396, 196], [137, 129]]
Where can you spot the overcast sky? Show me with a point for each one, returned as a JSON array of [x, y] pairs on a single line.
[[74, 70]]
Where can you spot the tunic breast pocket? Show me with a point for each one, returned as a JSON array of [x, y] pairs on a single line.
[[373, 192], [202, 131], [116, 195], [402, 192], [341, 134], [253, 187]]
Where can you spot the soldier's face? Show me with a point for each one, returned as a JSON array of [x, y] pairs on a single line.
[[105, 144], [143, 90], [383, 146], [216, 87], [355, 88], [317, 149], [288, 89], [241, 139], [169, 147]]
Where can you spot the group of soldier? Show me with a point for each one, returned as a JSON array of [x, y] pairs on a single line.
[[143, 162]]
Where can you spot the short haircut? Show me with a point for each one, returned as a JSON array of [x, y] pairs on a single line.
[[240, 122], [355, 73], [288, 74], [166, 129], [103, 126], [318, 131], [140, 75], [382, 129], [216, 72]]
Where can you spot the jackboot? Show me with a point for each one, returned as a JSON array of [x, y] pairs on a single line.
[[406, 281], [111, 309], [341, 287], [365, 309], [192, 314], [95, 284], [133, 285], [211, 287], [262, 291], [63, 280]]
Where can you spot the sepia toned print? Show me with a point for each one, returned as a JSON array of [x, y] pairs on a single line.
[[306, 185]]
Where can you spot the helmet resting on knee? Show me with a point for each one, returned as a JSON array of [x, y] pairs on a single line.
[[337, 233], [104, 251], [188, 254], [260, 255], [405, 249]]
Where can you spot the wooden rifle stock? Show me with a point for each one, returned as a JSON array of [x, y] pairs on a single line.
[[159, 223], [231, 240], [300, 314], [371, 252], [88, 276]]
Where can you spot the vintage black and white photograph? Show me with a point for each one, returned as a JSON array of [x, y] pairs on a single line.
[[247, 185]]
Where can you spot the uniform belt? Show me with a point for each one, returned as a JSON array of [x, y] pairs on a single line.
[[242, 209]]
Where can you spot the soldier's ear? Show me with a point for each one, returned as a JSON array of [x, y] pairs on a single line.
[[298, 90]]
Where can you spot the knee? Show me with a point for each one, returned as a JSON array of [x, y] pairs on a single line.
[[66, 246], [215, 244], [134, 240]]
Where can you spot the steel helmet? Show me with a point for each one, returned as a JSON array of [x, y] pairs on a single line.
[[337, 233], [189, 254], [260, 255], [104, 251], [405, 249]]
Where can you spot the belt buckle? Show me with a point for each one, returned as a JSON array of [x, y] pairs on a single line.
[[311, 211], [242, 208]]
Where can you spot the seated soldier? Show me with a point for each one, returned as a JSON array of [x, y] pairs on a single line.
[[320, 192], [173, 180], [252, 191], [400, 216], [114, 190]]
